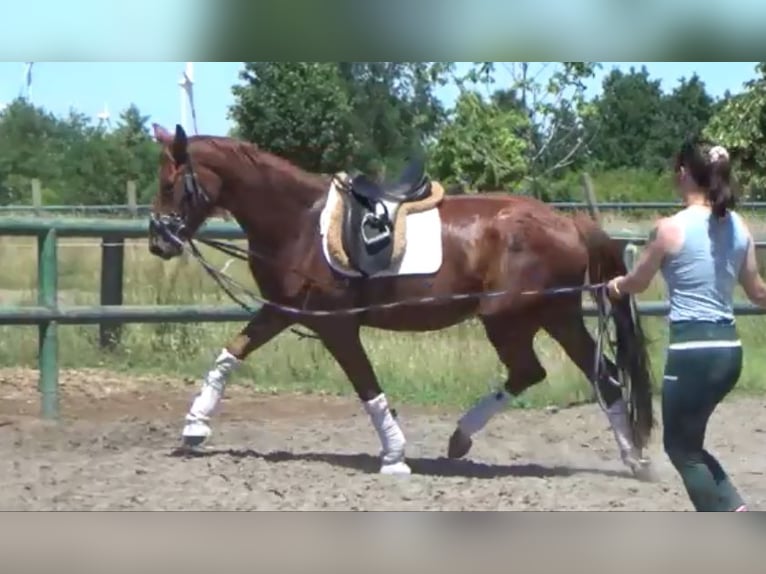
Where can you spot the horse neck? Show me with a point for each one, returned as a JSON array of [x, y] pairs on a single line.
[[270, 202]]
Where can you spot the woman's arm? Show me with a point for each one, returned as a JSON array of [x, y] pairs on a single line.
[[664, 239], [750, 278]]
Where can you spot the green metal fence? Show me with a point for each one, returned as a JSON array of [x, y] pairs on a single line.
[[129, 210], [47, 315]]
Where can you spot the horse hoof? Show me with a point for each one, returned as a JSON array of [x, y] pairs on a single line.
[[641, 469], [192, 441], [195, 433], [645, 472], [459, 444], [396, 469]]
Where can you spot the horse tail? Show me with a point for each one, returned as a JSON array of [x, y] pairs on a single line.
[[605, 261]]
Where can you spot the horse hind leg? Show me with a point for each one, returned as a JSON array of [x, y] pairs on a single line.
[[513, 340], [567, 327]]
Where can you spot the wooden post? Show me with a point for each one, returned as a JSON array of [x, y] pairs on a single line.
[[590, 197], [37, 196], [48, 344], [131, 200], [112, 273], [630, 256]]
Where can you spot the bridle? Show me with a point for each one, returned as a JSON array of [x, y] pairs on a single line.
[[173, 226]]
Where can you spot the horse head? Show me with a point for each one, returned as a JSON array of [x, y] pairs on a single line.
[[186, 197]]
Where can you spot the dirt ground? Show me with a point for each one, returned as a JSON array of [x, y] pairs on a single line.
[[115, 448]]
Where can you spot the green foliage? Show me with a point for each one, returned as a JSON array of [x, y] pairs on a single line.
[[552, 97], [77, 163], [299, 110], [628, 185], [633, 185], [628, 119], [480, 145], [395, 111], [686, 110], [31, 146], [535, 132], [339, 115], [740, 125], [636, 125]]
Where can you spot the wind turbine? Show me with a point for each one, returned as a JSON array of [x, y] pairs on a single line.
[[187, 95], [27, 81], [103, 117]]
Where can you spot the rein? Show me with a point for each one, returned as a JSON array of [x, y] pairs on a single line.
[[222, 279], [605, 310]]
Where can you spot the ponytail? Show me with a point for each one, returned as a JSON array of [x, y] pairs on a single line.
[[720, 192]]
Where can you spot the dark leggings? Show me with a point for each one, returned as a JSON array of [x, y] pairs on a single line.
[[697, 377]]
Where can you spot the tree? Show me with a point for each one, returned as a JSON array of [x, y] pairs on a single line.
[[75, 161], [686, 110], [395, 111], [740, 125], [552, 96], [340, 115], [481, 145], [138, 161], [628, 119], [30, 147], [638, 126], [298, 110]]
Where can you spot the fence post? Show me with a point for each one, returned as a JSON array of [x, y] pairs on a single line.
[[630, 255], [47, 296], [590, 196], [132, 201], [37, 196], [112, 272]]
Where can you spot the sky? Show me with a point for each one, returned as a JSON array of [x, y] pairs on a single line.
[[89, 87]]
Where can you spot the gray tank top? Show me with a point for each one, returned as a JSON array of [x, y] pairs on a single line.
[[702, 276]]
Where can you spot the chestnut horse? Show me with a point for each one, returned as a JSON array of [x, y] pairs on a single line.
[[489, 242]]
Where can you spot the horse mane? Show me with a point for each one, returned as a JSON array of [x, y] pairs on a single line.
[[256, 156]]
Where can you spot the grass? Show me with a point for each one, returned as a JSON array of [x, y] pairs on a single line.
[[416, 368]]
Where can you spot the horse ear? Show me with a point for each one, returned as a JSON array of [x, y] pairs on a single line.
[[162, 135], [180, 143]]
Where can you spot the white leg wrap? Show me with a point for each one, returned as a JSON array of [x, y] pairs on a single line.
[[480, 414], [618, 419], [209, 395], [390, 434]]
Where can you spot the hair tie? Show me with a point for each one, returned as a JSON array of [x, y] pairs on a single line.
[[718, 153]]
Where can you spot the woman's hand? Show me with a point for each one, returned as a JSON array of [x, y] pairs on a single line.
[[613, 287]]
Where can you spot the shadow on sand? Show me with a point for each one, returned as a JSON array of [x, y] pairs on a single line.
[[437, 467]]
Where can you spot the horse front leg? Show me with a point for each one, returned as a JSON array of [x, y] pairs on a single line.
[[266, 325], [343, 342]]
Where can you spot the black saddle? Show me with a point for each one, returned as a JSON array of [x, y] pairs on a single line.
[[368, 226], [413, 185]]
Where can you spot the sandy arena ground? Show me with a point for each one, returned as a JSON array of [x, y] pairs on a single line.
[[114, 449]]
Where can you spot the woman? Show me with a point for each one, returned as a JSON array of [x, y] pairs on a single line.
[[702, 251]]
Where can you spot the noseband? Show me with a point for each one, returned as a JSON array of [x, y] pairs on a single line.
[[172, 226]]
